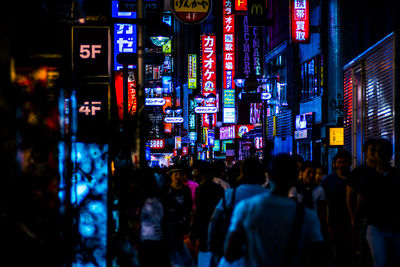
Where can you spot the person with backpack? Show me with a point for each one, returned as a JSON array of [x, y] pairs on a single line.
[[251, 178]]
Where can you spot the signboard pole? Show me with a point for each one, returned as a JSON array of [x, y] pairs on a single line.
[[140, 152]]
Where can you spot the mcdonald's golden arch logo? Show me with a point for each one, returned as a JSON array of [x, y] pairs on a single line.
[[258, 8]]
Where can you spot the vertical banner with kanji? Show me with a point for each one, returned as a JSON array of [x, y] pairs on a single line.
[[228, 59], [209, 77], [300, 22]]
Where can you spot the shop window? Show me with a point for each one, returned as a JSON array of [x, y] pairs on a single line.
[[311, 79]]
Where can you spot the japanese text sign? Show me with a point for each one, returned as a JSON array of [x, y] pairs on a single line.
[[191, 11], [300, 21], [192, 71], [124, 41]]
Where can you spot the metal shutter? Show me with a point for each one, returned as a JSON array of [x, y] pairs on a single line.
[[285, 123], [379, 95]]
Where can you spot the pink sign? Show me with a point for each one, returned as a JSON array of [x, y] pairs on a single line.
[[227, 132]]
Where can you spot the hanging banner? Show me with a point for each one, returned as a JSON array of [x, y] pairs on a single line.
[[250, 47], [192, 71], [118, 82], [300, 26], [209, 77]]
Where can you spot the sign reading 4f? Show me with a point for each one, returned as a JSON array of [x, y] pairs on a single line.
[[91, 51]]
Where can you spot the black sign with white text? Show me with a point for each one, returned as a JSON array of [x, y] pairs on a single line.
[[91, 51], [92, 112]]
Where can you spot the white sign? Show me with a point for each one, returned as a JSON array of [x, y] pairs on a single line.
[[155, 102], [173, 120], [266, 96], [202, 110]]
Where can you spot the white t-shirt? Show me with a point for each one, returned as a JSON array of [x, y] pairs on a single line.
[[266, 221], [318, 194]]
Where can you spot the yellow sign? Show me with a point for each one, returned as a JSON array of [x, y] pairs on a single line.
[[336, 136], [191, 5]]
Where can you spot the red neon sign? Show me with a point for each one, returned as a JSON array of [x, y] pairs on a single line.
[[131, 93], [300, 21], [240, 5], [157, 143], [209, 77]]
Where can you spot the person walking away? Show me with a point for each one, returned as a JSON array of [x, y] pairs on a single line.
[[207, 196], [379, 199], [359, 223], [179, 205], [250, 180], [152, 224], [271, 229], [338, 219]]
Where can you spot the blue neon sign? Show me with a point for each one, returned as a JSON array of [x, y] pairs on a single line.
[[124, 41]]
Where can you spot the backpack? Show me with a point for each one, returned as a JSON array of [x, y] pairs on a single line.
[[219, 226]]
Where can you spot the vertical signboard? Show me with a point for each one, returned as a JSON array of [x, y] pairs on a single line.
[[92, 112], [209, 77], [118, 82], [250, 48], [300, 26], [124, 41], [91, 51], [192, 71], [228, 62]]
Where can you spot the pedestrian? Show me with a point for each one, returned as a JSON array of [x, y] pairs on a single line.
[[271, 229], [379, 200], [153, 238], [208, 195], [179, 206], [338, 217], [309, 193], [219, 167], [250, 181], [359, 222]]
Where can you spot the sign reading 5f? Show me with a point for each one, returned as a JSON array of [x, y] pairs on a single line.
[[91, 51]]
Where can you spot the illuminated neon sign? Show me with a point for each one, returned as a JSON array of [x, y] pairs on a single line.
[[203, 110], [124, 41], [209, 67], [155, 102], [300, 21], [173, 119], [192, 71], [240, 5]]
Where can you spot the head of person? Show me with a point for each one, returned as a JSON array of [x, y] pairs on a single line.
[[299, 161], [384, 152], [176, 173], [342, 162], [309, 171], [283, 173], [319, 173], [251, 171], [218, 168], [369, 149], [204, 171]]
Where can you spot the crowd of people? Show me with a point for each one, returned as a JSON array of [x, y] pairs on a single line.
[[282, 213], [286, 212]]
